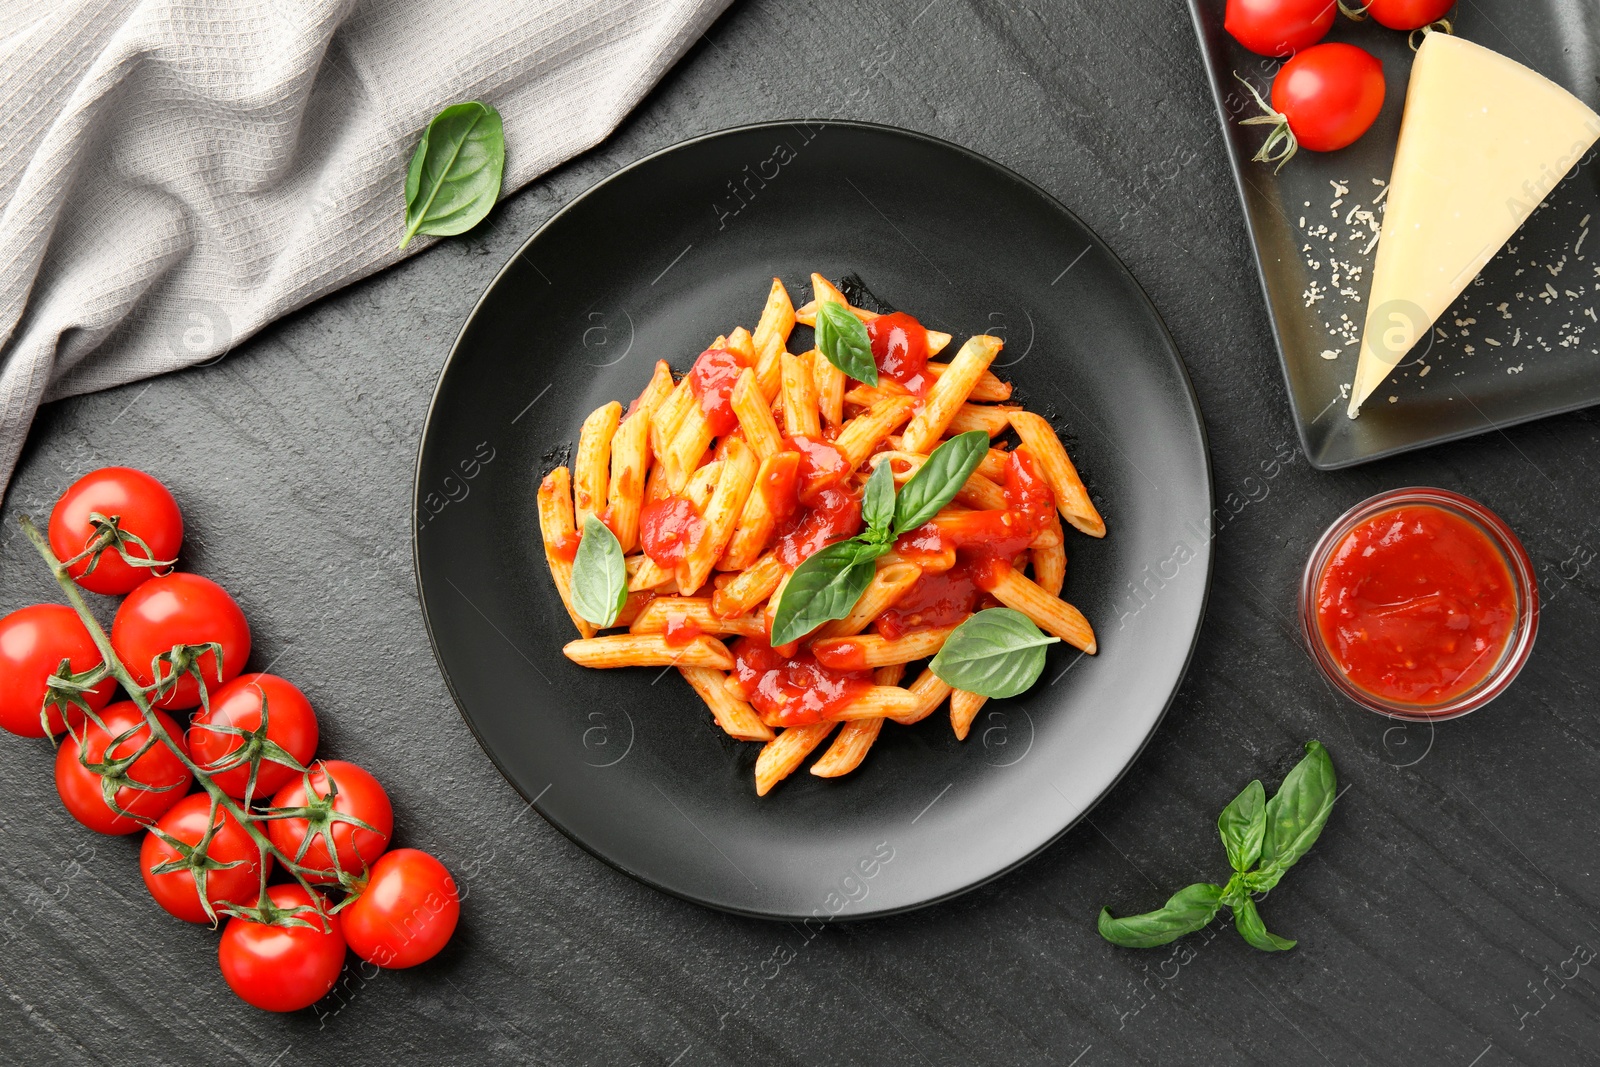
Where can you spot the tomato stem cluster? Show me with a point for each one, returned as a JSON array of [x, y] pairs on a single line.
[[66, 690]]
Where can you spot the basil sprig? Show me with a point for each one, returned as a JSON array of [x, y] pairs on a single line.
[[843, 340], [1263, 838], [830, 581], [998, 652], [599, 575], [454, 177]]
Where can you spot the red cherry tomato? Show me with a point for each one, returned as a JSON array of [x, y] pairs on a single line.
[[33, 642], [282, 968], [1408, 14], [138, 505], [356, 794], [180, 609], [291, 725], [150, 786], [1331, 95], [231, 844], [1279, 27], [406, 912]]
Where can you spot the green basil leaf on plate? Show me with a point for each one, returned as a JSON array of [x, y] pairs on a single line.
[[599, 576], [937, 481], [1247, 920], [825, 586], [454, 177], [1188, 910], [998, 652], [1243, 824], [842, 339], [1295, 816], [877, 503]]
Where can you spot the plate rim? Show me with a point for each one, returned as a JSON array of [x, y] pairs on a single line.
[[1004, 171]]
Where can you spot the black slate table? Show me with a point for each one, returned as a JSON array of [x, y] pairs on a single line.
[[1440, 918]]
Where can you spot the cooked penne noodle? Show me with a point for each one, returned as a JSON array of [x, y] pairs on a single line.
[[648, 650], [863, 434], [1050, 536], [993, 464], [560, 538], [800, 414], [742, 345], [964, 707], [752, 585], [930, 692], [889, 675], [825, 290], [849, 748], [888, 585], [736, 717], [829, 381], [630, 460], [772, 333], [647, 578], [880, 701], [721, 515], [757, 522], [874, 650], [1056, 467], [781, 756], [949, 393], [1050, 613], [991, 419], [981, 493], [987, 387], [591, 467], [683, 455], [635, 604], [930, 562], [660, 614], [1050, 568], [755, 416], [669, 416]]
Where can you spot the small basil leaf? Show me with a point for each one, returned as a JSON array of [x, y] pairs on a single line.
[[454, 177], [825, 586], [1188, 910], [1237, 889], [937, 481], [998, 652], [843, 340], [877, 501], [1242, 824], [599, 576], [1247, 920], [1295, 816]]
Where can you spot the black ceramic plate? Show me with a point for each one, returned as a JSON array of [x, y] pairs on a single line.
[[1487, 366], [653, 263]]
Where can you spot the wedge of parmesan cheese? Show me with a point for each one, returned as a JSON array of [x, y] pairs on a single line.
[[1483, 141]]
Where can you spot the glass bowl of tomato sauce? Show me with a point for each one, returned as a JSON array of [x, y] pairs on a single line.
[[1419, 604]]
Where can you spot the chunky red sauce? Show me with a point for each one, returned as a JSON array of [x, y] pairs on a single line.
[[900, 348], [940, 599], [998, 534], [667, 528], [681, 629], [565, 547], [833, 516], [821, 465], [792, 691], [1416, 604], [780, 485], [712, 379]]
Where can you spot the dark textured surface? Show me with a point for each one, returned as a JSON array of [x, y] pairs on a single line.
[[1434, 917]]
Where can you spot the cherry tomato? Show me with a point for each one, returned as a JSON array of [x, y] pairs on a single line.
[[137, 505], [1279, 27], [356, 794], [282, 968], [231, 844], [33, 642], [406, 912], [1408, 14], [291, 725], [149, 787], [180, 609], [1331, 95]]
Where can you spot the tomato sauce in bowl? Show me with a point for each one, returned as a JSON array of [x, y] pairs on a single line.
[[1420, 604]]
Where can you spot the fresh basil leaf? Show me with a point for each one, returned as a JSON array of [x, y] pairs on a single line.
[[843, 340], [454, 177], [998, 652], [1242, 824], [1237, 889], [1188, 910], [599, 576], [877, 503], [825, 586], [1295, 816], [937, 481], [1247, 920]]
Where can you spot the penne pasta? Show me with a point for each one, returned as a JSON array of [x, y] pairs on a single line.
[[849, 748], [874, 650], [1050, 568], [964, 707], [949, 393], [800, 415], [1072, 498], [772, 333], [757, 522], [889, 584], [755, 416], [880, 701], [863, 434], [987, 387], [754, 584], [630, 460], [669, 416], [683, 454], [648, 650], [780, 756], [1050, 613], [591, 467], [661, 614], [930, 692], [742, 345], [824, 290], [736, 717], [991, 419], [993, 464], [721, 515], [930, 562], [981, 493], [830, 383], [560, 538]]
